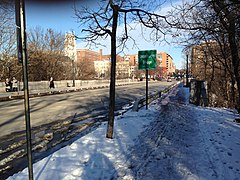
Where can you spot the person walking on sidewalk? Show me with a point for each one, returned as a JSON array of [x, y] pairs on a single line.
[[8, 84], [51, 83], [15, 84]]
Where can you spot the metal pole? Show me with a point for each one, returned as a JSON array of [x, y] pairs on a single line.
[[22, 54], [146, 88], [73, 65]]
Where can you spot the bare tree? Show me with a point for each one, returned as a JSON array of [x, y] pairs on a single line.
[[205, 21], [8, 60], [46, 57], [229, 15], [103, 22], [85, 70]]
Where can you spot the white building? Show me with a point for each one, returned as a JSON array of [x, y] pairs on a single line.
[[102, 68]]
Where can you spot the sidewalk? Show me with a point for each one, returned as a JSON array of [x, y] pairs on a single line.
[[170, 140], [192, 142]]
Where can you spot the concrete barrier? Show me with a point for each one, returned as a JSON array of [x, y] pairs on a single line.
[[198, 93], [41, 85], [41, 88]]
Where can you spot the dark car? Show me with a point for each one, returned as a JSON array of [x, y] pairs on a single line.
[[169, 79]]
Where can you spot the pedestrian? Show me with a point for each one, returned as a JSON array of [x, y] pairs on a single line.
[[51, 83], [8, 85], [14, 84]]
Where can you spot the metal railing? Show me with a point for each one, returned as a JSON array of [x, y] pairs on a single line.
[[151, 97]]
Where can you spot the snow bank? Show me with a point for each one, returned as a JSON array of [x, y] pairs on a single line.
[[170, 140]]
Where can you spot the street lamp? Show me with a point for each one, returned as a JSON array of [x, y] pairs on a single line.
[[73, 71], [187, 83]]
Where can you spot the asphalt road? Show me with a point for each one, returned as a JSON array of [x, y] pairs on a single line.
[[46, 109]]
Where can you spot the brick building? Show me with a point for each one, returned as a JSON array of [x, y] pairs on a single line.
[[126, 66], [132, 59], [87, 55], [204, 57], [164, 62]]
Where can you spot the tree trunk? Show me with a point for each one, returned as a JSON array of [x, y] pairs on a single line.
[[113, 74], [235, 58], [233, 91]]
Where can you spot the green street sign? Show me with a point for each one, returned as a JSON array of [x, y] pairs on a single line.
[[147, 59]]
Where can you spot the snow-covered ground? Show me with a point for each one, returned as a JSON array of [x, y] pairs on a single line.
[[170, 140]]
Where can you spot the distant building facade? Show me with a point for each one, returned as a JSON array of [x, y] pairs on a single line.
[[87, 55], [164, 62], [102, 68], [108, 57], [126, 66], [132, 59], [122, 69], [202, 59]]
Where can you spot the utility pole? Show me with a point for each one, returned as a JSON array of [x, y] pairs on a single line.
[[22, 57]]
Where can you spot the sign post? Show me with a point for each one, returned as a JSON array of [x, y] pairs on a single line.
[[22, 56], [147, 60]]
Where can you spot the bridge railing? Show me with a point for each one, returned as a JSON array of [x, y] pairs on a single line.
[[151, 97]]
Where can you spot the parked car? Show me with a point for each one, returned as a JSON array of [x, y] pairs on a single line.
[[178, 78], [169, 79]]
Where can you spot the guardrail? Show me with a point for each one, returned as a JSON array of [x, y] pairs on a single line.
[[151, 97]]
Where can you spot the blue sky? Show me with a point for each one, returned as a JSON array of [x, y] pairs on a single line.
[[60, 17]]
